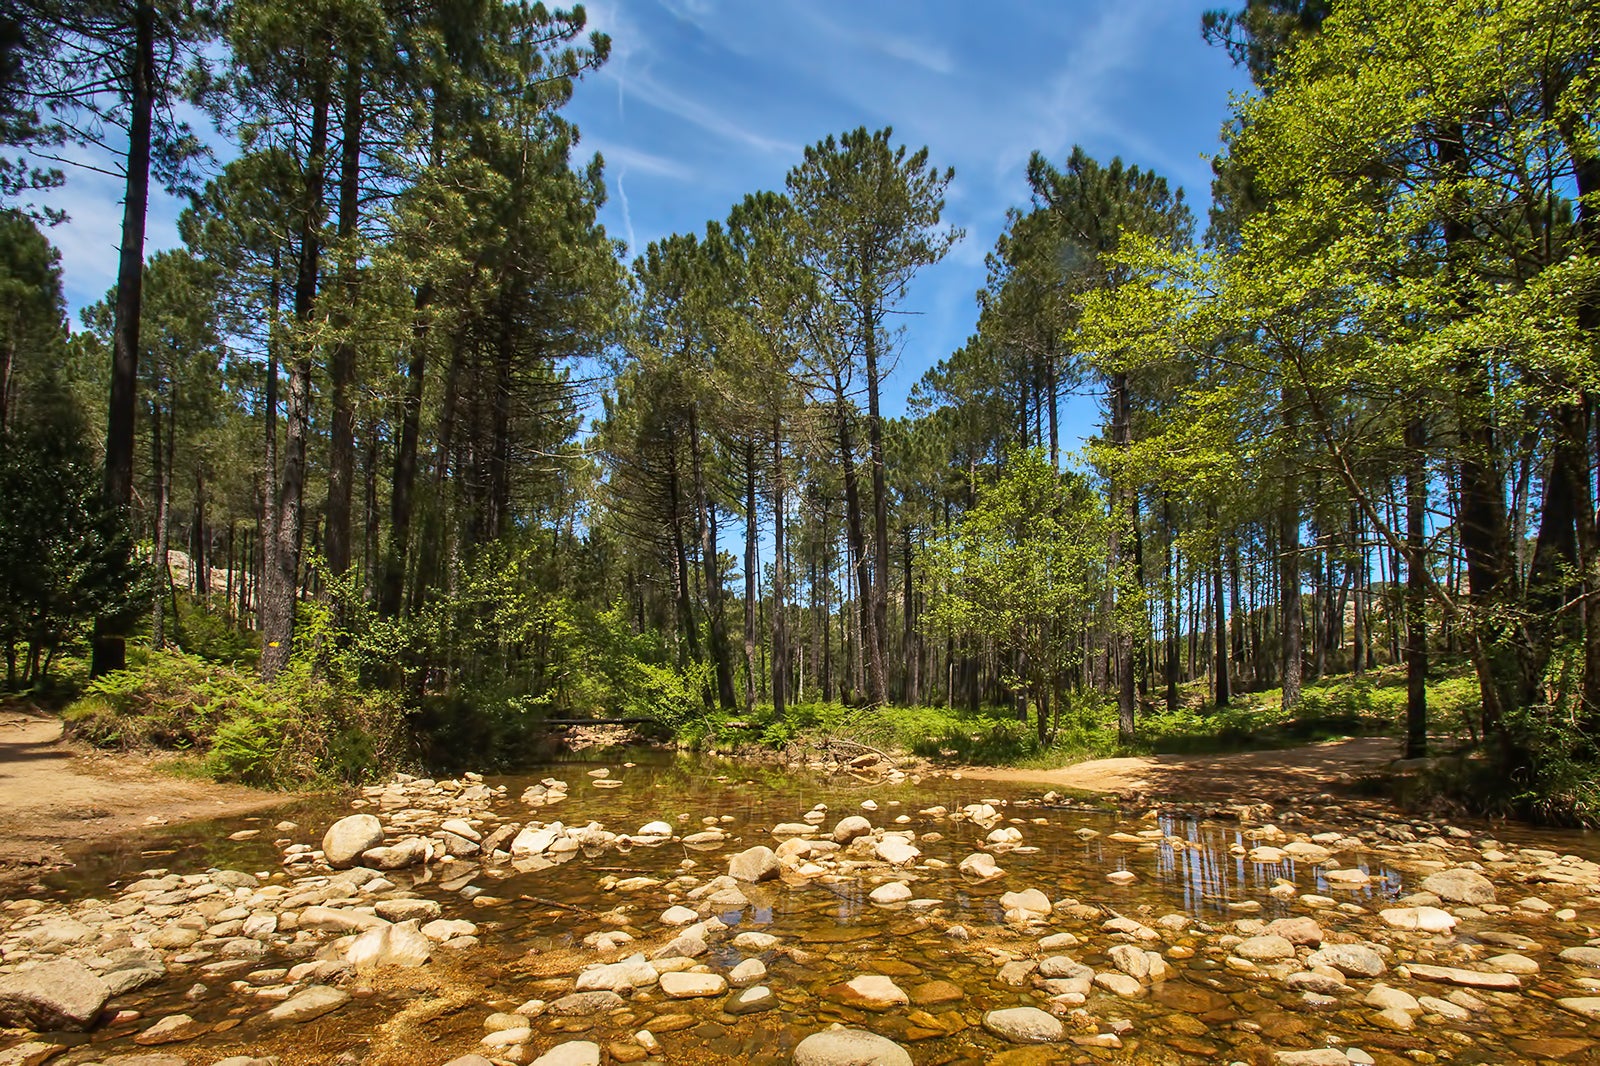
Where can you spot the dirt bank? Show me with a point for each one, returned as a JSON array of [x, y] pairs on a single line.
[[1243, 777], [55, 793]]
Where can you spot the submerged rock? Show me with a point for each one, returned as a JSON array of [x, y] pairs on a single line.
[[849, 1047], [1451, 975], [869, 992], [750, 1000], [390, 945], [893, 892], [625, 976], [171, 1030], [571, 1053], [1024, 1025], [980, 865], [1460, 886], [312, 1003], [1421, 919], [692, 985], [1352, 960]]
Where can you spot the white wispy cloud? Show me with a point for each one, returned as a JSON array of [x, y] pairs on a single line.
[[718, 121], [626, 158], [633, 71], [930, 57], [627, 215]]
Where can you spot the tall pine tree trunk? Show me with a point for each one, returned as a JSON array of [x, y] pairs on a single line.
[[1358, 612], [199, 553], [869, 650], [1172, 612], [706, 523], [1223, 691], [877, 678], [402, 483], [750, 576], [913, 651], [109, 652], [371, 513], [780, 625], [283, 570], [1290, 614], [1416, 592], [1122, 515], [1578, 425], [160, 491], [680, 554], [342, 360]]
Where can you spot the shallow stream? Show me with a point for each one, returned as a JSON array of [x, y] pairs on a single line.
[[1195, 895]]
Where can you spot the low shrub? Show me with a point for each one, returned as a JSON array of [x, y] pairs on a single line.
[[295, 733]]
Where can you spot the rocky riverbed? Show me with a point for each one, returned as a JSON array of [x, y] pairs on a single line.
[[607, 912]]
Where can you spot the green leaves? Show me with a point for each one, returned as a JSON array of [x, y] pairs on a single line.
[[1026, 567]]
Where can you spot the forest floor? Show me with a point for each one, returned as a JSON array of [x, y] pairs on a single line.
[[1238, 777], [56, 793]]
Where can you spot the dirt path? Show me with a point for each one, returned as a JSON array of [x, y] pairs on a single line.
[[55, 793], [1242, 777]]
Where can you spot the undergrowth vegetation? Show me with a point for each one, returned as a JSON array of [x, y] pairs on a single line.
[[1372, 704], [298, 732], [1085, 726]]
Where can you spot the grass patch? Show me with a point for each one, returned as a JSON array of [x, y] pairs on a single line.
[[989, 736], [1345, 706]]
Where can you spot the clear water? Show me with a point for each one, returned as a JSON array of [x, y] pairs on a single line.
[[532, 939]]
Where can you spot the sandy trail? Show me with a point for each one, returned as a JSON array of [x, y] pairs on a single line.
[[1243, 777], [55, 793]]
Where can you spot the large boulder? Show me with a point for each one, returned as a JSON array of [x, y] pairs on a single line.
[[53, 996], [849, 1047], [851, 827], [347, 838], [1460, 886], [754, 864]]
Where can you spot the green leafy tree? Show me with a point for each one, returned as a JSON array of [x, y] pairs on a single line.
[[1027, 568], [1414, 253], [66, 558], [31, 327]]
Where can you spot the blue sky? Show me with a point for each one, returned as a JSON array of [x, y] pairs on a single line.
[[706, 100]]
